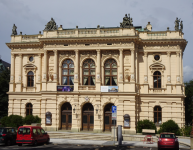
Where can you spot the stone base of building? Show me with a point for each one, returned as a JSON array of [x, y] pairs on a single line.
[[48, 128], [97, 130], [128, 131], [191, 142], [75, 129]]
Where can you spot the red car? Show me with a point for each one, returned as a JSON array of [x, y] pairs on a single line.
[[31, 135], [168, 140]]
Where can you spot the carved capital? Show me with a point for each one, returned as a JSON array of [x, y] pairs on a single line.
[[98, 51], [178, 54], [145, 54], [12, 55], [121, 50], [168, 54], [45, 52], [55, 51], [39, 55], [20, 55], [76, 51]]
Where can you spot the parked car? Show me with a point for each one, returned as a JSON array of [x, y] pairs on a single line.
[[168, 140], [7, 135], [31, 135]]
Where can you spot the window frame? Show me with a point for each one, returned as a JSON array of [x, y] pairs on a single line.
[[68, 72], [30, 79], [111, 76], [157, 77], [89, 72], [157, 111], [29, 109]]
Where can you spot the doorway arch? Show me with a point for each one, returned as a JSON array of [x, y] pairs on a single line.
[[88, 117], [66, 116], [108, 117]]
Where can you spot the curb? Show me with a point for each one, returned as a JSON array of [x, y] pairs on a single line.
[[185, 144]]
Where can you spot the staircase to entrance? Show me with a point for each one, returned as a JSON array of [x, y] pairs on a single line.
[[81, 136]]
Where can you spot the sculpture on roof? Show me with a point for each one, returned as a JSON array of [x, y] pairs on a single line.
[[14, 30], [181, 25], [177, 24], [51, 25], [127, 22]]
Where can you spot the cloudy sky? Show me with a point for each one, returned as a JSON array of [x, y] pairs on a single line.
[[31, 16]]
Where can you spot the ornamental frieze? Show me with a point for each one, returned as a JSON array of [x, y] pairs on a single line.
[[161, 47], [110, 53], [66, 54], [87, 54]]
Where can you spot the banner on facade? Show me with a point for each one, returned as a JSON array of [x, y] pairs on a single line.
[[65, 88], [109, 88]]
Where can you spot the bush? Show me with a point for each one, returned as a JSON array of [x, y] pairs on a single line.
[[145, 124], [28, 120], [185, 131], [169, 126], [12, 121]]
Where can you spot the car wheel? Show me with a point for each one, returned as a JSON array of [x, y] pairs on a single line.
[[8, 143], [48, 141], [35, 143], [159, 148], [20, 144]]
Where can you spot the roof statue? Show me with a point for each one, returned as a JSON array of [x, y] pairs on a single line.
[[51, 25], [127, 22], [14, 30], [181, 25], [177, 24]]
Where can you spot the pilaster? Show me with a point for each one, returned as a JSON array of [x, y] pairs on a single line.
[[121, 71], [38, 84], [12, 79], [44, 82], [98, 80], [76, 75]]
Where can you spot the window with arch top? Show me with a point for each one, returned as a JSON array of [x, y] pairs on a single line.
[[157, 79], [68, 72], [110, 69], [157, 115], [88, 72], [29, 108], [30, 79]]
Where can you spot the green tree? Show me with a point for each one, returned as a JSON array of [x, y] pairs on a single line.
[[12, 121], [169, 126], [145, 124], [188, 102], [29, 119], [4, 87]]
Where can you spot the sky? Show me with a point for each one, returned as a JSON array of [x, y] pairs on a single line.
[[31, 16]]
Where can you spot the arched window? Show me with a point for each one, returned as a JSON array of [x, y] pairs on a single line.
[[30, 79], [68, 72], [29, 108], [157, 79], [157, 115], [89, 72], [110, 72]]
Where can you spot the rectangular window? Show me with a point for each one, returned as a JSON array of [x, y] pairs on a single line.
[[24, 131]]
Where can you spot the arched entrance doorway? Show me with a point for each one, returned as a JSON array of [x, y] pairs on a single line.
[[66, 116], [108, 117], [88, 117]]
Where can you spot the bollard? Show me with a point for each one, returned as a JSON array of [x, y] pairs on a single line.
[[119, 134]]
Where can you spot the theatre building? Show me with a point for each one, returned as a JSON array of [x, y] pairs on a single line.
[[71, 78]]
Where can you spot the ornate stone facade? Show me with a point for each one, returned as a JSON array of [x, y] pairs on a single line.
[[148, 73]]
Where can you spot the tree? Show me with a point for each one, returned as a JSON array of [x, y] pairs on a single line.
[[145, 124], [4, 87], [12, 121], [169, 126], [29, 119], [188, 102]]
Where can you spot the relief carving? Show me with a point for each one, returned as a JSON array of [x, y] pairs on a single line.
[[66, 54], [110, 53]]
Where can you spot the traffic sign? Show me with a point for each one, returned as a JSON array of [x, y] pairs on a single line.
[[114, 112]]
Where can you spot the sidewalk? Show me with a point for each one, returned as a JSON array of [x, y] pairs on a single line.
[[110, 143]]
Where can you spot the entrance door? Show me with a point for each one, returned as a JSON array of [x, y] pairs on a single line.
[[108, 117], [88, 117], [66, 116]]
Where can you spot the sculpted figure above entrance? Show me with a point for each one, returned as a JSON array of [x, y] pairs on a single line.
[[51, 25]]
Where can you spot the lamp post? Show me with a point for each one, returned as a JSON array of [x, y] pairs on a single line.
[[191, 135]]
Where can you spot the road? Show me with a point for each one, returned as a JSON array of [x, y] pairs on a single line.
[[73, 147]]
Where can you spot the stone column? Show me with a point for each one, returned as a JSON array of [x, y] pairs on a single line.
[[39, 67], [12, 79], [178, 80], [20, 68], [76, 74], [169, 67], [132, 66], [45, 66], [55, 65], [44, 82], [120, 71], [98, 71], [146, 67]]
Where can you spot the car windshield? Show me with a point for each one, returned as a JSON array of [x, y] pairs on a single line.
[[167, 136], [24, 131], [1, 130]]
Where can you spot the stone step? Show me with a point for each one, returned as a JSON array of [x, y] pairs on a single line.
[[83, 136]]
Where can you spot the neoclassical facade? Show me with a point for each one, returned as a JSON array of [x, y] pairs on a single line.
[[71, 78]]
